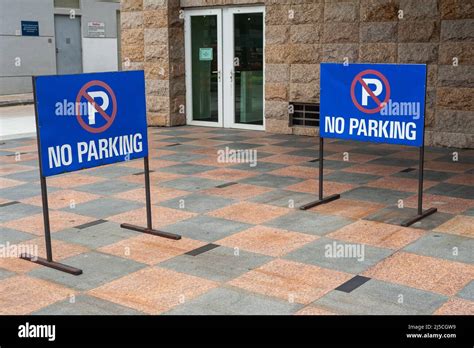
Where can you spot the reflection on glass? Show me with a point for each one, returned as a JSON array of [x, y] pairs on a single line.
[[204, 68], [248, 65]]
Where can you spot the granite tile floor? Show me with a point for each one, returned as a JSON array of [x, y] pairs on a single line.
[[246, 247]]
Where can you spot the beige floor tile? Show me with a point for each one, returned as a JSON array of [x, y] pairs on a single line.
[[153, 290], [59, 220], [291, 281], [423, 272], [460, 225], [456, 306], [151, 249], [267, 240], [247, 212], [23, 295], [377, 234], [349, 208]]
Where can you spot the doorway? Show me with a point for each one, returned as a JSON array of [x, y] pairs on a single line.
[[225, 67], [67, 32]]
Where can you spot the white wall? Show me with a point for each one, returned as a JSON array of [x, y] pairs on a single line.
[[24, 56], [99, 54]]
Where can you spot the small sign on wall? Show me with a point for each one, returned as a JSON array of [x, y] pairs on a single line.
[[96, 29], [205, 54], [29, 28]]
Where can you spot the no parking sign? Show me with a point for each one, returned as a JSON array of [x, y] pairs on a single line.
[[88, 120], [383, 103]]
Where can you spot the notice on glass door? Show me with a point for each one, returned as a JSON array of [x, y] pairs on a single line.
[[205, 54]]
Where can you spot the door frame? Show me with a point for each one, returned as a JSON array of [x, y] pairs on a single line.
[[229, 68], [188, 65], [226, 71]]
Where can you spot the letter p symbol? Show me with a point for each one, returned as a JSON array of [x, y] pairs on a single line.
[[91, 109], [376, 92]]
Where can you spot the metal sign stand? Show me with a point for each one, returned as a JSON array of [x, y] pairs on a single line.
[[149, 229], [420, 213], [321, 200], [48, 261]]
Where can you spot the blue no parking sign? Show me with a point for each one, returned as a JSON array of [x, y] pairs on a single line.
[[88, 120], [382, 103]]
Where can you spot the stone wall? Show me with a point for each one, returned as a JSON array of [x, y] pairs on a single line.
[[302, 33]]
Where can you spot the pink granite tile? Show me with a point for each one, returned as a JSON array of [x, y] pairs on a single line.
[[456, 306], [460, 225], [312, 186], [267, 240], [423, 272], [227, 174], [400, 184], [150, 249], [462, 179], [59, 220], [247, 212], [4, 183], [153, 290], [22, 295], [377, 234], [444, 204], [62, 199], [161, 216], [238, 191], [350, 208], [158, 194], [291, 281], [373, 169], [286, 159], [70, 180]]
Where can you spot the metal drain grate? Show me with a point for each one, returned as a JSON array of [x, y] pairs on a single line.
[[304, 114]]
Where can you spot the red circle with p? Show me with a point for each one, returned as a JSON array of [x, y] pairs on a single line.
[[108, 118], [380, 104]]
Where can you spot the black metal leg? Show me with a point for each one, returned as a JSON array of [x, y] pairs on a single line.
[[52, 264], [149, 223], [420, 214], [48, 261], [321, 200]]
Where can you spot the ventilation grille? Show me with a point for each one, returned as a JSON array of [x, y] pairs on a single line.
[[304, 114]]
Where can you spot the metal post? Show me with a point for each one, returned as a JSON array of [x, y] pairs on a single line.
[[149, 223], [321, 199], [420, 180], [321, 159], [420, 214], [47, 229]]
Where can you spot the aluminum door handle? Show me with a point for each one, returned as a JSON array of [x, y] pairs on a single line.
[[218, 72]]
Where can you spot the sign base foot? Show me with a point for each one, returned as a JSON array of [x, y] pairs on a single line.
[[416, 218], [321, 201], [151, 231], [52, 264]]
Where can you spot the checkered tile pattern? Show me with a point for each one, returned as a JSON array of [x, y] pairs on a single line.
[[246, 247]]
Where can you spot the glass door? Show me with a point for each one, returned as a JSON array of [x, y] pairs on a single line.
[[203, 37], [243, 65], [224, 67]]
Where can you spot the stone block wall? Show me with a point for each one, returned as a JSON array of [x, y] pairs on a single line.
[[300, 34]]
